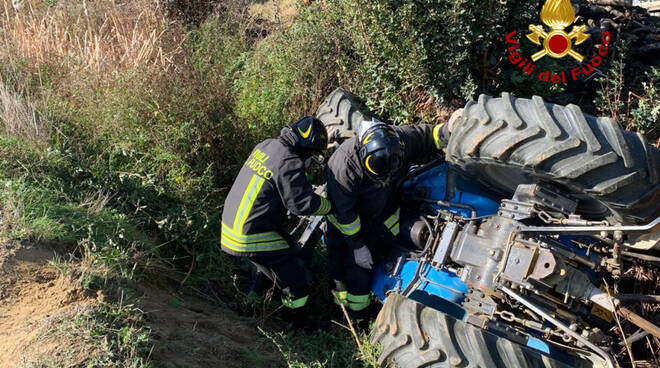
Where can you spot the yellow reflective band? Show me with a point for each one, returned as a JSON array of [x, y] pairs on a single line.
[[392, 222], [244, 199], [358, 302], [366, 162], [230, 243], [357, 298], [233, 238], [324, 208], [251, 238], [366, 140], [393, 219], [294, 304], [439, 143], [247, 202], [395, 229], [346, 229], [261, 242]]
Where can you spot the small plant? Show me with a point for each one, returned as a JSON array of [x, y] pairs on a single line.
[[62, 265], [118, 335], [640, 111], [610, 96], [645, 116]]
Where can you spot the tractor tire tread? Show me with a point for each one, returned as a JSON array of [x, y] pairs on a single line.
[[584, 154], [413, 336], [343, 111]]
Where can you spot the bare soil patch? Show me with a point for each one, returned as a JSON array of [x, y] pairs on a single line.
[[191, 332], [32, 298], [37, 305]]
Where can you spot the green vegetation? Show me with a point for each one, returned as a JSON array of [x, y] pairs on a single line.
[[640, 109], [116, 337], [324, 350], [124, 126]]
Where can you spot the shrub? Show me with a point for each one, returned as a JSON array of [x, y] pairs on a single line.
[[288, 73], [407, 59], [400, 44], [645, 117], [632, 100]]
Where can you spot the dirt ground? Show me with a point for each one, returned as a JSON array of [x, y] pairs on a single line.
[[32, 296], [186, 331], [189, 332]]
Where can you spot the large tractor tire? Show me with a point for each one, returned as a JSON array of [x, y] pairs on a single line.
[[414, 336], [341, 113], [507, 141]]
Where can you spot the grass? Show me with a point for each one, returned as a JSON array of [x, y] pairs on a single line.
[[62, 265], [333, 349], [38, 213], [255, 360], [122, 128], [107, 335], [19, 116], [99, 35]]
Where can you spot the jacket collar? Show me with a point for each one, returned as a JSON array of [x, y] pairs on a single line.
[[289, 137]]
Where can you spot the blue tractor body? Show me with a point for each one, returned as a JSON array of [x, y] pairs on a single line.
[[441, 289], [446, 285]]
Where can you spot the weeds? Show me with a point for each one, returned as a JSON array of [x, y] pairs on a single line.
[[61, 265], [332, 349], [610, 96], [635, 107], [115, 336], [98, 36], [20, 117]]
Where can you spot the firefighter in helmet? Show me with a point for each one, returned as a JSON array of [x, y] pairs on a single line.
[[271, 182], [364, 178]]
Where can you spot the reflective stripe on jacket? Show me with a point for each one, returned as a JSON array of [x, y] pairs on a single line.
[[271, 181]]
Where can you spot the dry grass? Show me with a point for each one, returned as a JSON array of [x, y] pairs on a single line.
[[96, 202], [77, 45], [19, 116], [98, 35], [10, 214], [276, 11]]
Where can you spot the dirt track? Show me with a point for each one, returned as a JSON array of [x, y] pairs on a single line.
[[32, 297], [185, 331]]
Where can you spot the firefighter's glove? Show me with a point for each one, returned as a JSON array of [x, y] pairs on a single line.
[[363, 258]]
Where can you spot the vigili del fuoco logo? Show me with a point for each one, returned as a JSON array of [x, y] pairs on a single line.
[[557, 15]]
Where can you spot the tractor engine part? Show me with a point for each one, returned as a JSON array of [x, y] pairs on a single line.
[[494, 254]]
